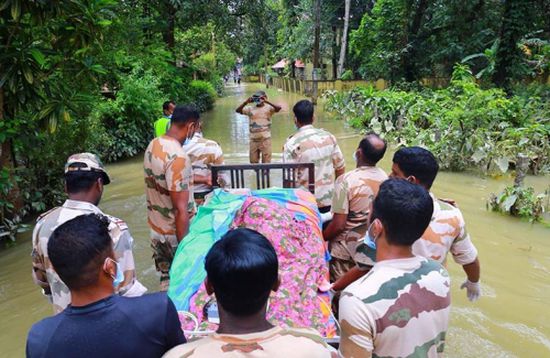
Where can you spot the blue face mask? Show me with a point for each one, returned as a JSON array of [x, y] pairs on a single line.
[[369, 240], [186, 141], [119, 276]]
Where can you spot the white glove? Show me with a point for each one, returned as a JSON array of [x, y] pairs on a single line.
[[473, 290]]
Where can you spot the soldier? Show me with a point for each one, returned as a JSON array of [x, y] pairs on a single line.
[[169, 189], [353, 195], [401, 307], [260, 125], [85, 177], [310, 144], [163, 123], [203, 153], [447, 230]]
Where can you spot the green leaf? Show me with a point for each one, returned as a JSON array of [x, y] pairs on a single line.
[[509, 202], [5, 5], [479, 155], [28, 74], [38, 57], [502, 163]]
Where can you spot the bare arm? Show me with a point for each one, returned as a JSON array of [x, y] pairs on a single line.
[[180, 201], [473, 270], [349, 277], [336, 226], [241, 107], [199, 179], [277, 108]]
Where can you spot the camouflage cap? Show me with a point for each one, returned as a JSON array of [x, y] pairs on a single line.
[[88, 162]]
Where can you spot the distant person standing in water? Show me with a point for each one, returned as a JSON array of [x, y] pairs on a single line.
[[163, 123], [169, 189], [260, 125]]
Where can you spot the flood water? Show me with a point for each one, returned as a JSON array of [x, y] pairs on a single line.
[[512, 319]]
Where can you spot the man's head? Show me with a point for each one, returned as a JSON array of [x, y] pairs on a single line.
[[81, 252], [303, 113], [85, 176], [184, 123], [400, 213], [242, 269], [371, 149], [259, 97], [415, 164], [168, 108]]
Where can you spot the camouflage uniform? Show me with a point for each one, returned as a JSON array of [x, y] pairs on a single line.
[[260, 132], [274, 342], [166, 168], [43, 271], [399, 309], [445, 233], [203, 153], [353, 196], [310, 144]]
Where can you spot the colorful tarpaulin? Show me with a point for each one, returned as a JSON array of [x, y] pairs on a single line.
[[290, 220]]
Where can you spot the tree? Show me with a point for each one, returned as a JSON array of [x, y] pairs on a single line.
[[344, 43]]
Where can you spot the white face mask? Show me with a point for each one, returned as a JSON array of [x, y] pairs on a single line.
[[355, 157]]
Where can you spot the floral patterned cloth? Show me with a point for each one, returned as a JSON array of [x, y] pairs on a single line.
[[302, 264]]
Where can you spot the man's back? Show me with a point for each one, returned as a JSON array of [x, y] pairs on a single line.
[[446, 233], [166, 168], [354, 193], [161, 126], [399, 309], [275, 342], [145, 326], [310, 144], [260, 121], [43, 272], [203, 153]]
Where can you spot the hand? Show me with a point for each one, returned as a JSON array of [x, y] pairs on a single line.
[[473, 290], [249, 100]]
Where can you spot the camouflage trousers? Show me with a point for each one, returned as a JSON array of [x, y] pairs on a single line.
[[164, 248], [263, 147]]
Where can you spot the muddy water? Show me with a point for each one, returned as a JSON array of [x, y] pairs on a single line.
[[511, 320]]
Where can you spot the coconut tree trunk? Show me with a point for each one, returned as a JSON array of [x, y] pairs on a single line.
[[316, 54], [344, 45]]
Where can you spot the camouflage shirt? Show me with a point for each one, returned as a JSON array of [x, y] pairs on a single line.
[[275, 342], [166, 168], [43, 272], [354, 193], [260, 121], [445, 233], [203, 153], [399, 309], [310, 144]]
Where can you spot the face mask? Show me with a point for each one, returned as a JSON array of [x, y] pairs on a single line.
[[355, 157], [119, 276], [369, 240], [186, 141]]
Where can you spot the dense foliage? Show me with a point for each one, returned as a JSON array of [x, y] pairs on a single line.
[[464, 125]]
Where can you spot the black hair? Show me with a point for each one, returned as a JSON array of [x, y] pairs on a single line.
[[405, 210], [303, 110], [185, 114], [78, 249], [418, 162], [242, 267], [371, 154], [166, 105], [78, 181]]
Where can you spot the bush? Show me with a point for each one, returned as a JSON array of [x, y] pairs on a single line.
[[124, 126], [463, 125], [202, 94]]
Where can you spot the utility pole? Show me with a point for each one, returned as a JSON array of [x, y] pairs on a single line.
[[316, 55]]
